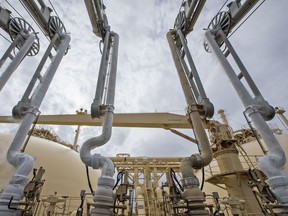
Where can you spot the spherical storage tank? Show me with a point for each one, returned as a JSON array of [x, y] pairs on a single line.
[[64, 174]]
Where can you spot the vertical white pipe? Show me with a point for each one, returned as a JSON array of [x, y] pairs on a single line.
[[200, 133], [103, 197]]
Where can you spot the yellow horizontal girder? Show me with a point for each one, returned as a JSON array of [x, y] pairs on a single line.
[[146, 120]]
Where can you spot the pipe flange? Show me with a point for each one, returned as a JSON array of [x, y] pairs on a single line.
[[192, 108], [196, 161], [190, 182], [18, 179], [95, 162], [106, 181]]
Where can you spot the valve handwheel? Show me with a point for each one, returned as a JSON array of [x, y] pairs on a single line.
[[18, 26], [181, 22], [55, 26], [223, 21]]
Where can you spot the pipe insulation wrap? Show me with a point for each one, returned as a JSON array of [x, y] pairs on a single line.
[[103, 138]]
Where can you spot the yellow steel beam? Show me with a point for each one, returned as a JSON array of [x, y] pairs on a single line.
[[146, 120]]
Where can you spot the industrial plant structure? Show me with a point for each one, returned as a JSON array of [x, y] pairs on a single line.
[[235, 172]]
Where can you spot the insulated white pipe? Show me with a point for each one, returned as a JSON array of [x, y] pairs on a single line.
[[93, 18], [24, 163], [19, 110], [103, 197], [103, 138], [192, 193], [98, 99], [206, 154]]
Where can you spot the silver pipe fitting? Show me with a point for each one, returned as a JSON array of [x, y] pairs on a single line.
[[103, 138]]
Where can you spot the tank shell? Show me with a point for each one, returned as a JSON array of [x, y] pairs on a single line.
[[64, 171]]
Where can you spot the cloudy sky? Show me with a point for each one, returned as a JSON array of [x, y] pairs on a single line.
[[147, 80]]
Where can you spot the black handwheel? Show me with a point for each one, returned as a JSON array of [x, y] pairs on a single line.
[[18, 26], [223, 21], [55, 26], [181, 22]]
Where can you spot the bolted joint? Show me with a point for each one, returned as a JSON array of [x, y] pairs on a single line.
[[209, 109], [18, 179], [96, 109], [196, 161], [192, 108], [20, 110], [100, 162], [192, 182], [267, 112], [104, 197], [96, 162], [106, 181]]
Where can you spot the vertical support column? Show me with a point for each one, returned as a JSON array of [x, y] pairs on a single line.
[[9, 50], [270, 164]]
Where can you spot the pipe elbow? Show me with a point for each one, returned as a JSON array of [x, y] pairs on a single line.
[[270, 164], [206, 158], [189, 180], [85, 151], [94, 142], [98, 161], [24, 164], [186, 167], [22, 161]]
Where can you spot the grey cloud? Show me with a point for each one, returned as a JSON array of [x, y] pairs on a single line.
[[147, 79]]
